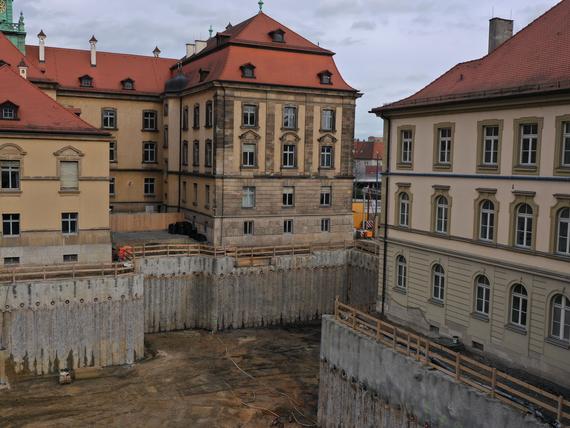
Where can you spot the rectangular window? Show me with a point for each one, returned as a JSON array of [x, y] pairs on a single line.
[[326, 157], [249, 115], [325, 225], [209, 154], [444, 146], [288, 196], [149, 120], [327, 120], [290, 117], [248, 197], [69, 175], [326, 196], [196, 154], [112, 186], [149, 186], [207, 195], [185, 153], [8, 113], [109, 119], [70, 258], [149, 152], [9, 175], [113, 151], [195, 187], [185, 119], [490, 145], [248, 155], [11, 261], [165, 138], [406, 150], [288, 226], [528, 144], [69, 223], [566, 144], [248, 227], [289, 156], [11, 224], [184, 192], [209, 114], [196, 121]]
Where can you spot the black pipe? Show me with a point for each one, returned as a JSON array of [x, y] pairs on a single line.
[[180, 157], [386, 185]]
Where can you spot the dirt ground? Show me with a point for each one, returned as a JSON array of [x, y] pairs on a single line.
[[245, 378]]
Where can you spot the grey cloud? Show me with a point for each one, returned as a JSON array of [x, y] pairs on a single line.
[[363, 25]]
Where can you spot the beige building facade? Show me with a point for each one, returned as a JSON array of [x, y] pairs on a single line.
[[477, 214]]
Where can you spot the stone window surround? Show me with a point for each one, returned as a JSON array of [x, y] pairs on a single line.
[[516, 328], [295, 126], [196, 116], [562, 201], [517, 123], [403, 188], [254, 104], [321, 127], [103, 110], [559, 169], [76, 156], [562, 343], [251, 138], [13, 152], [481, 316], [296, 142], [481, 125], [522, 197], [402, 290], [437, 166], [441, 191], [485, 195], [327, 140], [155, 161], [399, 163], [443, 264], [195, 153], [115, 150], [209, 111], [156, 127]]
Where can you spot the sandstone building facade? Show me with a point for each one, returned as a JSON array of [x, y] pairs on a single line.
[[477, 202]]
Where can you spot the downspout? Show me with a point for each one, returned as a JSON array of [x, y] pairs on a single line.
[[386, 174], [223, 166], [180, 156]]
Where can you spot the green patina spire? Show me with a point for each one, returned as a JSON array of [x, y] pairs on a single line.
[[211, 31], [14, 31], [261, 5]]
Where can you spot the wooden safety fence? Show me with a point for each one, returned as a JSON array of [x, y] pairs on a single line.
[[29, 273], [500, 385]]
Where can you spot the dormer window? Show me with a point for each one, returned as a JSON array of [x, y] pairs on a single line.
[[248, 71], [278, 36], [3, 63], [8, 111], [325, 77], [203, 74], [86, 81], [128, 84]]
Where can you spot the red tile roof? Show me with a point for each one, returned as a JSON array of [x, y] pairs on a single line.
[[366, 150], [37, 112], [534, 60], [12, 56], [66, 66]]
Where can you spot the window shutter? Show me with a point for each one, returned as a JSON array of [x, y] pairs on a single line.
[[69, 175]]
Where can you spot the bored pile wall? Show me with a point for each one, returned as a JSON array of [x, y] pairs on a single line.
[[212, 293], [45, 326], [364, 384]]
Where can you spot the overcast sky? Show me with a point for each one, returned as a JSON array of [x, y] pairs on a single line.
[[388, 49]]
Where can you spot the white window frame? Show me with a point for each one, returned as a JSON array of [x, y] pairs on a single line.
[[288, 196], [289, 155], [438, 283], [563, 232], [560, 307], [149, 152], [290, 117], [150, 120], [113, 151], [248, 197], [401, 272], [565, 155], [69, 221], [528, 145], [11, 220], [325, 225], [326, 157], [482, 296], [519, 306], [248, 227], [407, 143], [149, 186], [109, 118], [524, 232], [249, 157], [326, 196], [249, 119], [404, 217], [487, 221], [288, 226], [8, 113], [490, 145], [444, 146], [10, 174], [112, 184], [327, 119], [442, 215]]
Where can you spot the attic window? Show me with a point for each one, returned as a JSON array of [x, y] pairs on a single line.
[[278, 36], [3, 63], [128, 84], [325, 77], [248, 71], [8, 111], [203, 74], [86, 81]]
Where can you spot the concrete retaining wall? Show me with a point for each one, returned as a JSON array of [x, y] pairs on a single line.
[[359, 377], [49, 325], [211, 293]]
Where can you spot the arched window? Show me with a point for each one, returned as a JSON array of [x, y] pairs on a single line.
[[404, 210], [519, 305], [487, 221], [563, 232], [438, 283], [402, 272], [482, 295], [441, 214], [560, 318], [524, 226]]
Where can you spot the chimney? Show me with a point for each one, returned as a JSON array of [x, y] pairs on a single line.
[[200, 46], [500, 30], [23, 69], [156, 52], [93, 43], [42, 45], [190, 49]]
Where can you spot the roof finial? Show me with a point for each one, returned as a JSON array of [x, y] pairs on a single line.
[[211, 31], [260, 3]]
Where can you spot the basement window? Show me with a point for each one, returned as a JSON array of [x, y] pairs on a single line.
[[70, 258], [11, 261], [478, 346]]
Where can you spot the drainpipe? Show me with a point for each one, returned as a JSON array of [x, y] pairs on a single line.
[[223, 167], [386, 175], [180, 156]]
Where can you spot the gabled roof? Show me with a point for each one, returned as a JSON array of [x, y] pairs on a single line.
[[37, 112], [12, 56], [534, 60], [368, 150], [66, 66]]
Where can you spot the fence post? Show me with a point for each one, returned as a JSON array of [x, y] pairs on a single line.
[[72, 271], [395, 338], [458, 366], [427, 353], [336, 311], [167, 250], [14, 275], [115, 270], [559, 412], [378, 330], [408, 345], [493, 381], [44, 272], [353, 313], [144, 249]]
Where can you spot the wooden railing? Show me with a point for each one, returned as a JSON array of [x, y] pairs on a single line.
[[28, 273], [497, 384]]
